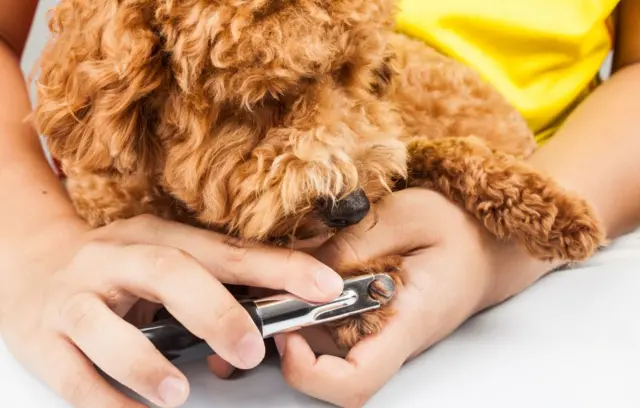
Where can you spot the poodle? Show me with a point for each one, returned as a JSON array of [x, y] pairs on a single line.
[[282, 121]]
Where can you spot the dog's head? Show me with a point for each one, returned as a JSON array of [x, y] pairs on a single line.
[[268, 118]]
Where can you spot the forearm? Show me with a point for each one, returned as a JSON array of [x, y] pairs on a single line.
[[32, 196], [595, 153]]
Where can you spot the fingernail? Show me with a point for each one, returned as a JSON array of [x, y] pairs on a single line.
[[172, 391], [250, 349], [329, 282], [281, 343]]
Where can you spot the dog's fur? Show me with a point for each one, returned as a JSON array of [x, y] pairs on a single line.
[[239, 115]]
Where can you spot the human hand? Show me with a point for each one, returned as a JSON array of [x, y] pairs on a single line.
[[68, 295], [453, 269]]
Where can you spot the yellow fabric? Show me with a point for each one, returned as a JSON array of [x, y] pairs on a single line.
[[544, 56]]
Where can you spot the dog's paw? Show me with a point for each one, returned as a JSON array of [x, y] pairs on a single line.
[[512, 200], [575, 234], [349, 331]]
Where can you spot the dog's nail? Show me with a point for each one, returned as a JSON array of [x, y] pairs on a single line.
[[380, 290]]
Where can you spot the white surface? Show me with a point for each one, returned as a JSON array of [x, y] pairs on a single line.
[[572, 340]]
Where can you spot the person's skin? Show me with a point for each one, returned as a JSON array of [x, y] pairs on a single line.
[[460, 270], [64, 287]]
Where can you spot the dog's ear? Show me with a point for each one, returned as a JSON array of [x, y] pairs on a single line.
[[97, 90]]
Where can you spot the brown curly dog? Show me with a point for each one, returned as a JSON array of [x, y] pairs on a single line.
[[279, 121]]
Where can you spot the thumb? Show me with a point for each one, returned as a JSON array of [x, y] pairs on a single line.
[[397, 225]]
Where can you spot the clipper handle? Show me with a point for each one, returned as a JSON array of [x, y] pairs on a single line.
[[271, 315], [176, 343]]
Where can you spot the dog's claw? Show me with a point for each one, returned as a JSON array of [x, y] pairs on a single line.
[[382, 289]]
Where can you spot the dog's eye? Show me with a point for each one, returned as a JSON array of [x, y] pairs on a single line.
[[383, 76]]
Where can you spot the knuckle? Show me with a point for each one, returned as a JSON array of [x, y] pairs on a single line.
[[148, 225], [229, 318], [163, 261], [122, 228], [75, 313], [228, 314], [144, 225]]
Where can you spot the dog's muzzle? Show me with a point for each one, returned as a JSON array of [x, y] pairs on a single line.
[[345, 212]]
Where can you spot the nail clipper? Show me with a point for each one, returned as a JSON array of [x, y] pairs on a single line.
[[273, 315]]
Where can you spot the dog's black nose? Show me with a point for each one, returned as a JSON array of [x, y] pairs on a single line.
[[345, 212]]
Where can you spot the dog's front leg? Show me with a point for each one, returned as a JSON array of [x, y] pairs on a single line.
[[509, 197]]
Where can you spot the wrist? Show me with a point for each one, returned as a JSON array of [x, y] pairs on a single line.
[[29, 260], [56, 230], [47, 244], [503, 269], [513, 269]]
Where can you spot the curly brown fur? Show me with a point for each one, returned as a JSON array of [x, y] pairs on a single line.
[[508, 196], [240, 116], [220, 105], [347, 332]]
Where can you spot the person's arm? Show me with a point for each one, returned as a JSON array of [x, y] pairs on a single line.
[[32, 196], [595, 153]]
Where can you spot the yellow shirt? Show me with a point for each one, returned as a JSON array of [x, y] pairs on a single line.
[[544, 56]]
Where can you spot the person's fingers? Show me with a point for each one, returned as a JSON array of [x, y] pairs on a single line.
[[188, 292], [71, 376], [387, 230], [234, 261], [122, 351], [348, 382], [219, 367]]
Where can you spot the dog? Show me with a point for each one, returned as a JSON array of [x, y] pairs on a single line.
[[281, 121]]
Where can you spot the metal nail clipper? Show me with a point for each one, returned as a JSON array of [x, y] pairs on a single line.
[[272, 315]]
